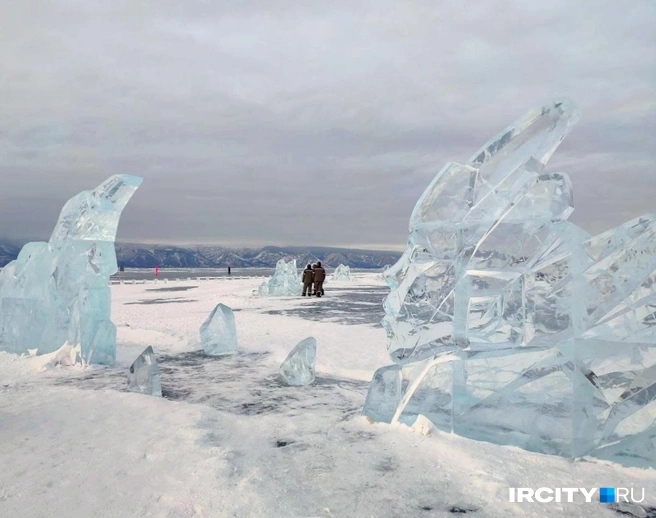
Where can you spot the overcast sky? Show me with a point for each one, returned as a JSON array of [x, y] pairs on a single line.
[[310, 121]]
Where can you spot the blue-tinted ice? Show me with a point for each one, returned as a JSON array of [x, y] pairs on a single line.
[[512, 325], [218, 334], [342, 273], [384, 394], [285, 281], [298, 367], [58, 292], [144, 374]]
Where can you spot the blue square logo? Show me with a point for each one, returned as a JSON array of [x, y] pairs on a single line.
[[607, 495]]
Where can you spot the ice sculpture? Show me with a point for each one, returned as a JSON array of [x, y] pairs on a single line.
[[509, 324], [298, 367], [144, 374], [285, 281], [218, 334], [342, 273], [58, 292]]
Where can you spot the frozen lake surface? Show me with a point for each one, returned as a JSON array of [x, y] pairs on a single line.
[[193, 273], [229, 438]]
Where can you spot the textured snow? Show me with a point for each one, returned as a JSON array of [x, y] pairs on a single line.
[[298, 367], [513, 325], [57, 292]]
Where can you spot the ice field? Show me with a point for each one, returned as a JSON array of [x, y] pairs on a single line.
[[230, 438]]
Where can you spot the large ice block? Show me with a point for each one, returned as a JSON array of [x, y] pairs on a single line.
[[509, 324], [342, 273], [285, 281], [218, 334], [298, 367], [144, 374], [58, 292]]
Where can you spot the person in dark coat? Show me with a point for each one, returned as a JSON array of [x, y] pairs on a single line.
[[308, 278], [319, 277]]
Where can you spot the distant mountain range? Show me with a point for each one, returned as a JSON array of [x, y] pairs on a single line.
[[144, 256], [8, 251], [148, 256]]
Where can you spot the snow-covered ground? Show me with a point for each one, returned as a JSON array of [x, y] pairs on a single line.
[[229, 439]]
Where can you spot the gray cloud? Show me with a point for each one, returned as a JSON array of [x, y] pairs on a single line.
[[310, 122]]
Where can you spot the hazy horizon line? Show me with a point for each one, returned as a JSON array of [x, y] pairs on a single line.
[[190, 244]]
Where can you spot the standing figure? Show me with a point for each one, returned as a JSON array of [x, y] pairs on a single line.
[[156, 271], [229, 271], [308, 278], [319, 277]]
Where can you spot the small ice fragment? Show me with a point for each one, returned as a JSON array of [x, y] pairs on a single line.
[[384, 394], [218, 334], [342, 273], [298, 367], [424, 426], [144, 374]]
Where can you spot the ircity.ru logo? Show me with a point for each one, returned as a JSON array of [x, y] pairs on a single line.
[[545, 495]]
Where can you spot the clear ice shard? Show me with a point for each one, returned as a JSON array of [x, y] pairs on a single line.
[[144, 374], [342, 273], [298, 367], [285, 281], [218, 334], [58, 292], [506, 323], [384, 394]]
